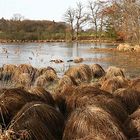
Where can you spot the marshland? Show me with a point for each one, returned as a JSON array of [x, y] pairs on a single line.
[[74, 77], [70, 94]]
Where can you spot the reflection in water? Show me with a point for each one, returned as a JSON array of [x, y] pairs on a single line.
[[39, 55]]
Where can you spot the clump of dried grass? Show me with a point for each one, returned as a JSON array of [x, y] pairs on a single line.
[[132, 125], [135, 84], [92, 120], [114, 83], [80, 73], [12, 100], [24, 79], [8, 71], [48, 80], [40, 120], [42, 93], [97, 71], [61, 96], [114, 71], [99, 98], [129, 97], [43, 70]]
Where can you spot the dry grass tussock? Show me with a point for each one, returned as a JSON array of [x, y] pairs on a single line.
[[78, 60], [80, 73], [9, 67], [96, 137], [24, 79], [89, 90], [94, 103], [43, 70], [97, 71], [114, 71], [132, 125], [99, 99], [47, 80], [66, 80], [40, 120], [25, 68], [114, 83], [135, 84], [15, 76], [12, 100], [129, 97], [92, 120], [61, 96], [7, 72], [42, 93]]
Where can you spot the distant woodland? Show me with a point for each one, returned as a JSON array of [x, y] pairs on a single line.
[[117, 20], [17, 29]]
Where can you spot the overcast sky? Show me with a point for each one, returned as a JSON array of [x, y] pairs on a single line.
[[36, 9]]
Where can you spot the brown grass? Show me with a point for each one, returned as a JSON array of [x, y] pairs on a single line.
[[12, 100], [8, 72], [48, 80], [78, 60], [100, 99], [42, 122], [132, 125], [9, 67], [66, 80], [92, 120], [24, 80], [11, 135], [43, 70], [97, 137], [129, 97], [114, 83], [42, 93], [26, 68], [114, 71], [135, 84], [80, 73], [97, 71], [61, 96], [1, 75]]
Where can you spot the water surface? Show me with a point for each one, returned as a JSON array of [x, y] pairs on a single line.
[[39, 55]]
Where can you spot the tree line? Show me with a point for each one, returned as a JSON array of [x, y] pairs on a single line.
[[94, 20], [17, 29], [118, 19]]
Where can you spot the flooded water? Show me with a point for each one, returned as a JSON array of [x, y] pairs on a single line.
[[39, 55]]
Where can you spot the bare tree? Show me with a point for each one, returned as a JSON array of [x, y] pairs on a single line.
[[69, 17], [96, 17], [94, 8], [17, 17], [81, 18]]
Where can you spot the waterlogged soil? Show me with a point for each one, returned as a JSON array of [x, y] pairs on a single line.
[[40, 55]]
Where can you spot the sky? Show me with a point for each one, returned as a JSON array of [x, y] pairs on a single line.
[[36, 9]]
